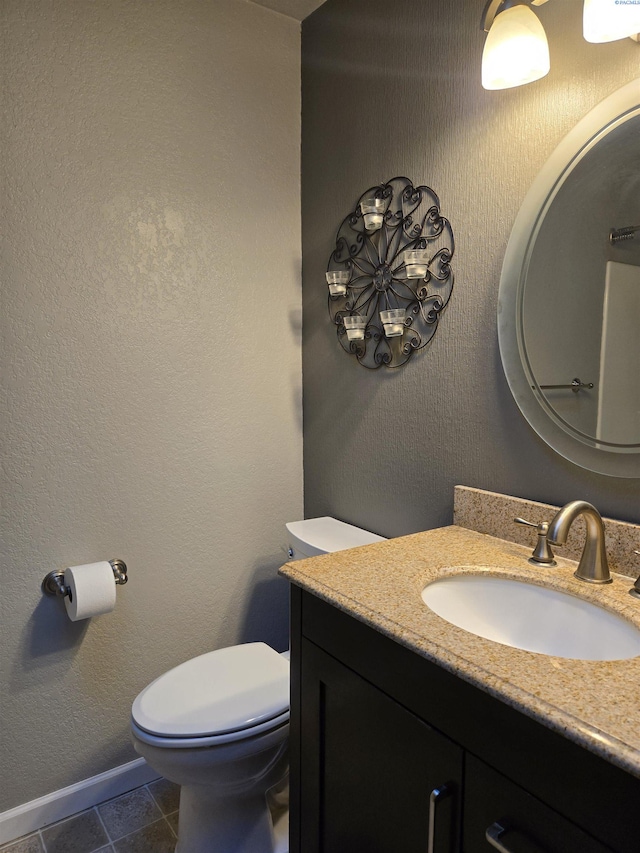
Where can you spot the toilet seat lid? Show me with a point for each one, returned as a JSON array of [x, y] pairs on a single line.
[[221, 691]]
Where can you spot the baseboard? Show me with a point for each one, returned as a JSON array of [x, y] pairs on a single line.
[[76, 798]]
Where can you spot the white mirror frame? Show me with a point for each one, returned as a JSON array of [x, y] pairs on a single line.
[[614, 110]]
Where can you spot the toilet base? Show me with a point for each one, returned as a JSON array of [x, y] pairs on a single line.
[[281, 833], [231, 825], [229, 789]]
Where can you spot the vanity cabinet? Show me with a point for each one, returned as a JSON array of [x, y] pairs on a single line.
[[391, 753], [368, 757], [519, 822]]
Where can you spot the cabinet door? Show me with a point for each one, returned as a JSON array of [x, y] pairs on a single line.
[[515, 821], [374, 778]]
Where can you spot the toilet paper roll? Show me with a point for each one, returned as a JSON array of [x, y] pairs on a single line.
[[92, 590]]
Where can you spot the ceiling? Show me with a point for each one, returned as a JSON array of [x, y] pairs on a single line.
[[298, 9]]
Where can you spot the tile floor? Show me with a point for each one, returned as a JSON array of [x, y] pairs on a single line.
[[142, 821]]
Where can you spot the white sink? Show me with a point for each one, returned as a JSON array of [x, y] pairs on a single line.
[[533, 618]]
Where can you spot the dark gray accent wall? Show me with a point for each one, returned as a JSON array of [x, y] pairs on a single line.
[[393, 88]]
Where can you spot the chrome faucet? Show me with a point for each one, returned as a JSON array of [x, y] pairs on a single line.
[[593, 566]]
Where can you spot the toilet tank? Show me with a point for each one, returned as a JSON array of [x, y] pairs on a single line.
[[315, 536]]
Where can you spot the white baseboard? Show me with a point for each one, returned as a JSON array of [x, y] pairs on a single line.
[[76, 798]]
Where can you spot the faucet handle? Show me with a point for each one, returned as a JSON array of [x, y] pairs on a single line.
[[635, 589], [542, 553], [519, 520]]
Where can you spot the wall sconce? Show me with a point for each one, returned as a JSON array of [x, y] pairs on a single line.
[[608, 20], [390, 275], [516, 50]]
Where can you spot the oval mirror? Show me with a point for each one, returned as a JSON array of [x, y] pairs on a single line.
[[569, 301]]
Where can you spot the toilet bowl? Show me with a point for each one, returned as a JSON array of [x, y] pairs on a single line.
[[218, 726]]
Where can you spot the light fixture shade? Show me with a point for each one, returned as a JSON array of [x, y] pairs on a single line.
[[610, 20], [516, 50]]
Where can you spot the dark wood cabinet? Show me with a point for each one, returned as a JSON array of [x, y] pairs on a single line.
[[390, 753], [520, 822], [382, 778]]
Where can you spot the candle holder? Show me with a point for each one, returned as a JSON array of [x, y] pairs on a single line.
[[390, 275], [416, 262], [355, 326], [372, 209], [337, 281], [393, 321]]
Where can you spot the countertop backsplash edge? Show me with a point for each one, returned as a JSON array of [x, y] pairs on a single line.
[[493, 513]]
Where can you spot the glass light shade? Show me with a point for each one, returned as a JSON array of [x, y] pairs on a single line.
[[393, 322], [516, 50], [609, 20], [372, 210], [355, 326], [416, 262], [337, 281]]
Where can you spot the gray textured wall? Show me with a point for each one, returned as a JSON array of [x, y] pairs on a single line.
[[394, 88], [151, 334]]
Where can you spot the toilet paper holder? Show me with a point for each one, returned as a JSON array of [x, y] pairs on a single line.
[[53, 583]]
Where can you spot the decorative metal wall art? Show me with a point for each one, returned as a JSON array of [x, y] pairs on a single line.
[[390, 276]]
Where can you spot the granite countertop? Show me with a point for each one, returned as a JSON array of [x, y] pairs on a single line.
[[594, 703]]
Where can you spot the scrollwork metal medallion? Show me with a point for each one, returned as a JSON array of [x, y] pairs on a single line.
[[392, 257]]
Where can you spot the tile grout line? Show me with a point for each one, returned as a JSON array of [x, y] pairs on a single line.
[[164, 816], [141, 828], [173, 832], [150, 792], [104, 826], [111, 841]]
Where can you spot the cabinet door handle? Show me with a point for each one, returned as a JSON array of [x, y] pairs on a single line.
[[436, 796], [494, 835]]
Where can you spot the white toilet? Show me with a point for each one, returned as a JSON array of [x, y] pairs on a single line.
[[218, 726]]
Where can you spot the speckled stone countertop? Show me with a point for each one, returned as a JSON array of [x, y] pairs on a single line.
[[594, 703]]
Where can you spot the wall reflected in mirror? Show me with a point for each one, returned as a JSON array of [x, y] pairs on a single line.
[[580, 296]]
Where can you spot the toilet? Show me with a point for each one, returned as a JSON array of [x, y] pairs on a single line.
[[218, 726]]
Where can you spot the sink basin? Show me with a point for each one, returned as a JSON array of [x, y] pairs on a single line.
[[533, 618]]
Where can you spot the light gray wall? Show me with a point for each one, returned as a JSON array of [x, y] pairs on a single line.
[[394, 89], [151, 330]]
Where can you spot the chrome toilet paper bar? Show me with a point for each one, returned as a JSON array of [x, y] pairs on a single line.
[[53, 583]]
